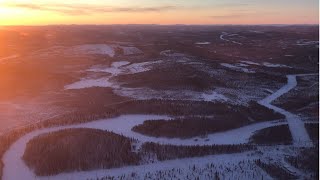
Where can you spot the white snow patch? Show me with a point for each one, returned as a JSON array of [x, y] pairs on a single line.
[[250, 63], [131, 51], [85, 49], [88, 83], [8, 57], [102, 49], [237, 68], [203, 43], [304, 42], [213, 96], [117, 68], [119, 64], [258, 32], [147, 93], [267, 64], [171, 53]]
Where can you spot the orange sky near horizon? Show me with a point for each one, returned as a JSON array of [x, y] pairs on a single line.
[[47, 12]]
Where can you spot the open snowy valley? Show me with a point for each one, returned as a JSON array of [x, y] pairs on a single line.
[[179, 102]]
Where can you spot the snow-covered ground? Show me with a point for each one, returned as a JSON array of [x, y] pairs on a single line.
[[304, 42], [102, 49], [142, 93], [237, 67], [267, 64], [124, 67], [122, 125], [258, 32], [296, 125], [88, 83], [3, 59], [116, 68], [202, 43], [250, 63], [147, 93], [87, 49], [229, 166], [131, 51], [171, 53]]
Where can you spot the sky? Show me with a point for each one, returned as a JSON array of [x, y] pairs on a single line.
[[48, 12]]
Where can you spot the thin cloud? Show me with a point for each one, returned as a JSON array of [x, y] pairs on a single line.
[[89, 9]]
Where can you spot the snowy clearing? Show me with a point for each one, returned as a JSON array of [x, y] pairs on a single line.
[[130, 51], [102, 49], [8, 57], [266, 64], [124, 67], [116, 68], [202, 43], [142, 93], [88, 83], [237, 67], [250, 63], [147, 93], [304, 42], [171, 53]]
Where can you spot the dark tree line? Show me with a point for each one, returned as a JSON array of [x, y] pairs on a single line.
[[167, 152], [272, 135], [189, 127], [275, 170], [308, 160]]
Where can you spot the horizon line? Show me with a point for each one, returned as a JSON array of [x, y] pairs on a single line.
[[38, 25]]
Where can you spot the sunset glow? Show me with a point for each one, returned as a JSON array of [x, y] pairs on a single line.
[[22, 12]]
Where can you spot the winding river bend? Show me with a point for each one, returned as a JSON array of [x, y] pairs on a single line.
[[15, 168], [296, 125]]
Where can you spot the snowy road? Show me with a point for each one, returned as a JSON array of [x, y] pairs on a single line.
[[296, 125]]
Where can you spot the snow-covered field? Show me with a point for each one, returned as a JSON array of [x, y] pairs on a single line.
[[237, 67], [142, 93]]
